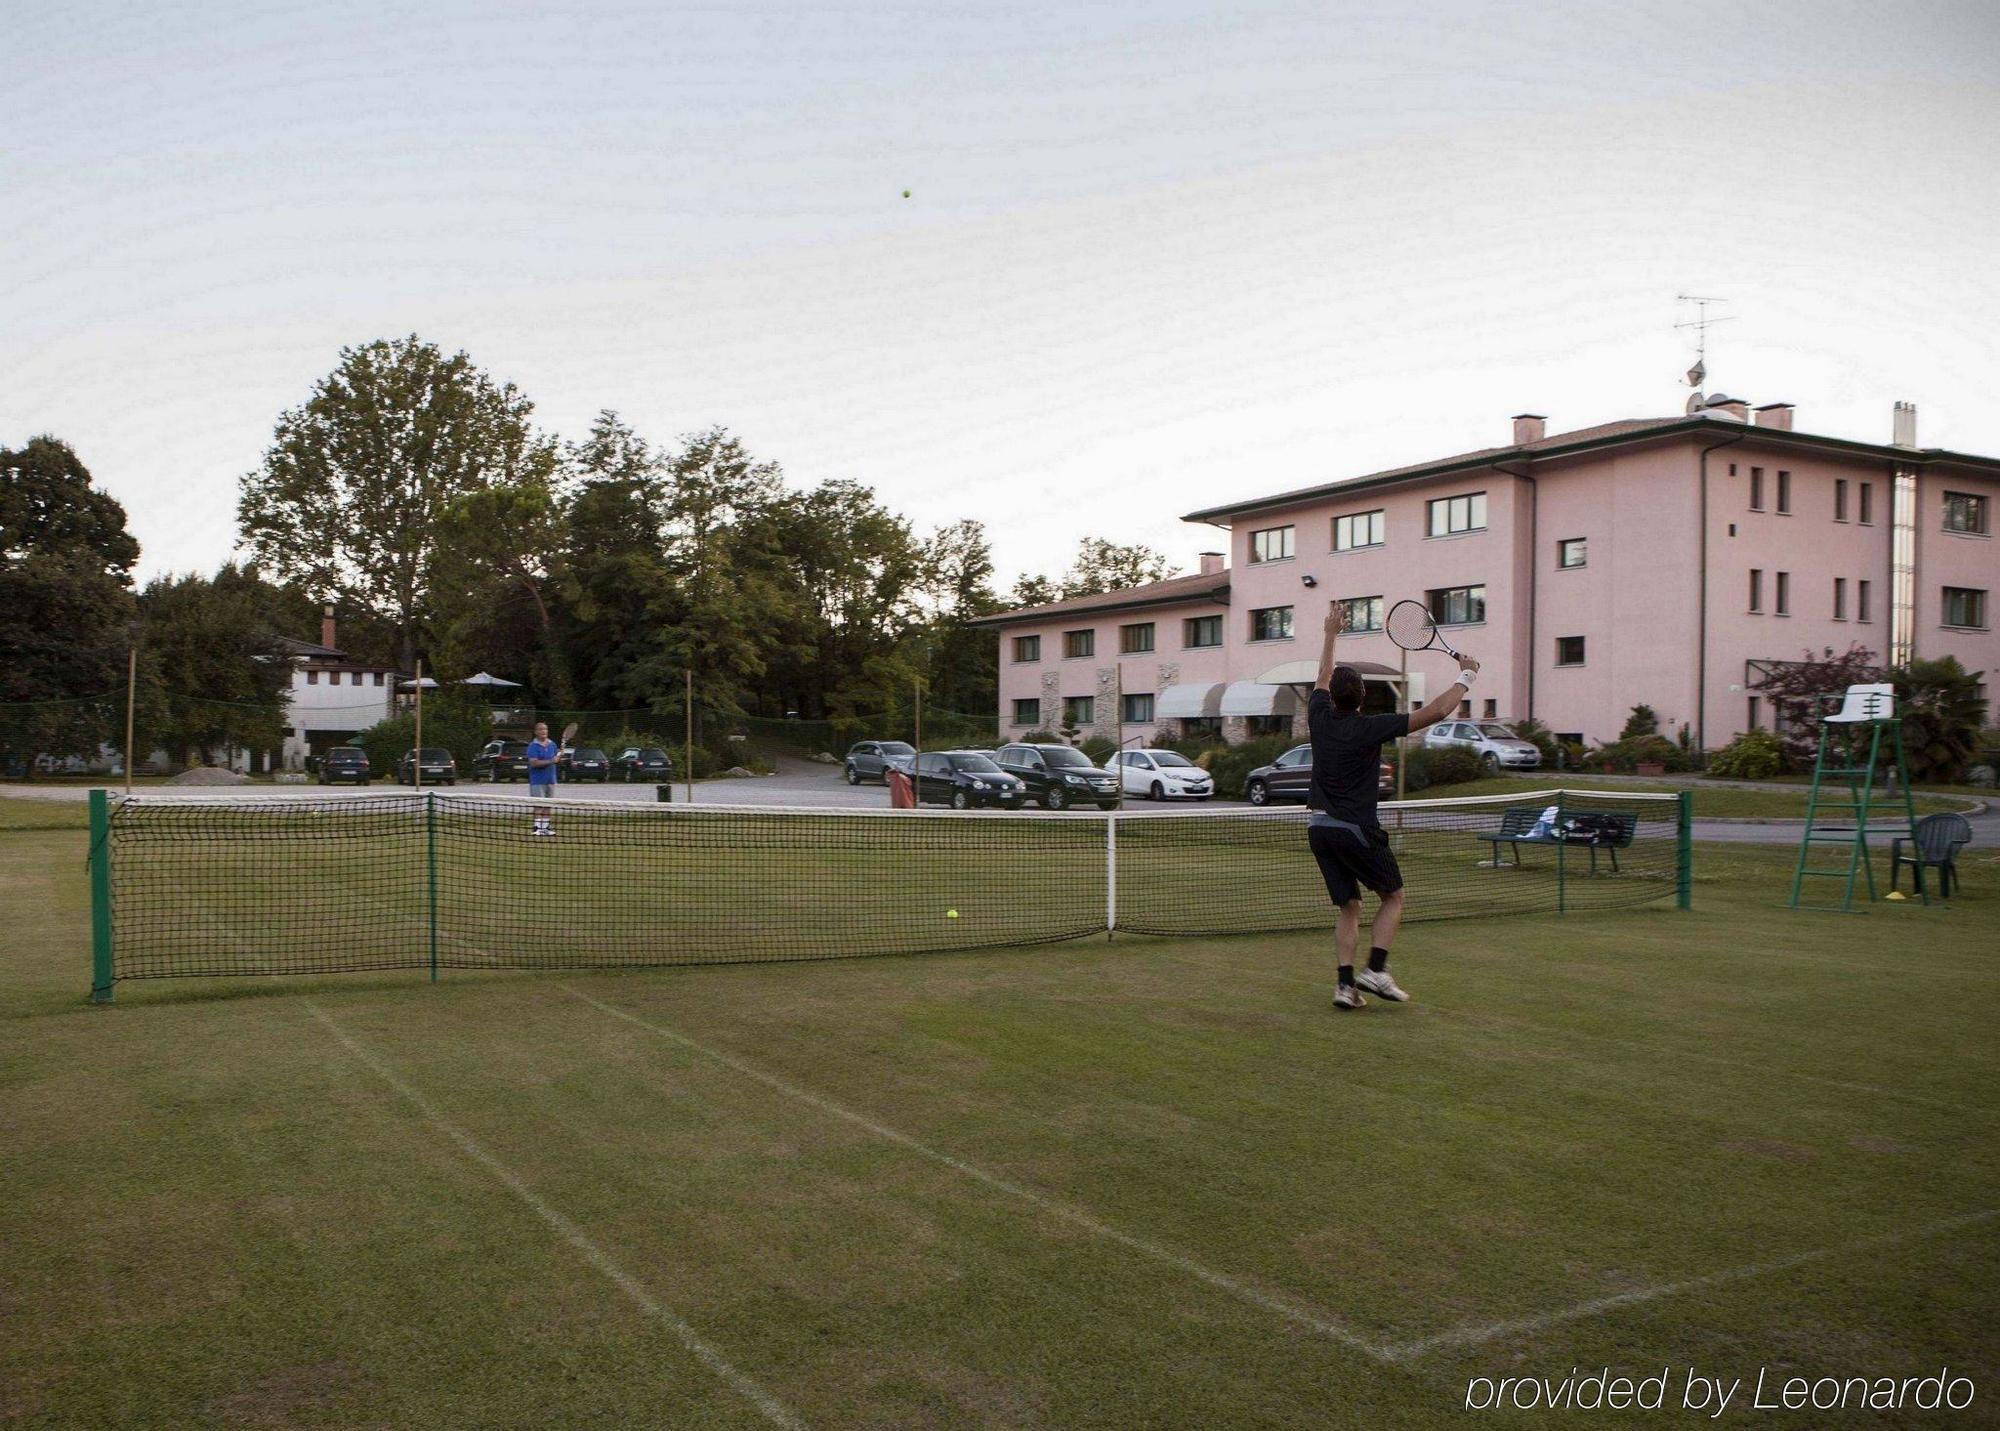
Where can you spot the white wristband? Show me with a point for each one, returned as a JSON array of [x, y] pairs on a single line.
[[1465, 678]]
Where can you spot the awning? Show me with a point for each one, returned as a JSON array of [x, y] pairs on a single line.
[[1304, 673], [482, 679], [1254, 698], [1190, 700]]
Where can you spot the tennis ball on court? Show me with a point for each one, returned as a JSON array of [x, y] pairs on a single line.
[[951, 914]]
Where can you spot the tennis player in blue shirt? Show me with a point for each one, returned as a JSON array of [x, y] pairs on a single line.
[[542, 774]]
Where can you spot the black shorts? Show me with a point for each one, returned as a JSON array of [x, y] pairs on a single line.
[[1348, 863]]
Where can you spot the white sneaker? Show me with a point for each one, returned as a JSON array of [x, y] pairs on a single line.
[[1346, 996], [1378, 983]]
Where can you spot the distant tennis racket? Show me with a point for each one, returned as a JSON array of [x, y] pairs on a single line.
[[569, 734], [1410, 626]]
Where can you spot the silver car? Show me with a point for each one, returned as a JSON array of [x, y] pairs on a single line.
[[1496, 745]]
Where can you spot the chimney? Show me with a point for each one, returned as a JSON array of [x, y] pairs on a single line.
[[1722, 405], [1211, 563], [1775, 414], [1906, 425], [326, 626], [1529, 427]]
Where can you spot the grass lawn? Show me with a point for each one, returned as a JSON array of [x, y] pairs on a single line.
[[1710, 801], [1099, 1183]]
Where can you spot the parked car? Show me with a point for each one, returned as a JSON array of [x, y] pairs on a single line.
[[1289, 777], [963, 779], [642, 762], [1058, 775], [1496, 745], [1162, 775], [872, 759], [438, 767], [501, 761], [586, 763], [345, 762]]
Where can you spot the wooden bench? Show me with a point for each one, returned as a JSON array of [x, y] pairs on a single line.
[[1516, 828]]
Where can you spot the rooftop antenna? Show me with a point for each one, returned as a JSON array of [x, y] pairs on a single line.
[[1700, 323]]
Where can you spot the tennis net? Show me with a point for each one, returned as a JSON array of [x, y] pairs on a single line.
[[449, 881]]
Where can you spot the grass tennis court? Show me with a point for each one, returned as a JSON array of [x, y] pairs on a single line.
[[1108, 1183]]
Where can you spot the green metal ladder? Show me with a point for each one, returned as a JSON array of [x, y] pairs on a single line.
[[1857, 771]]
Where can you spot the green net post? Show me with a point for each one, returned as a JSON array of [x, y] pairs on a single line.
[[431, 875], [100, 898], [1684, 851]]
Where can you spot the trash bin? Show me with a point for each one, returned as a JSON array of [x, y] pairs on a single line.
[[902, 791], [664, 794]]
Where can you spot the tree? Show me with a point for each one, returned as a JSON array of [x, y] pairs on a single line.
[[213, 675], [614, 568], [957, 584], [500, 548], [1643, 720], [1797, 690], [65, 572], [1100, 566], [1942, 711], [352, 492]]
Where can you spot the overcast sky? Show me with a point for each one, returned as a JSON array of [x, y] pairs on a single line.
[[1154, 256]]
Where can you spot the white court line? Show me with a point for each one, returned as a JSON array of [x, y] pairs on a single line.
[[1076, 1217], [1490, 1331], [774, 1410], [1637, 1045]]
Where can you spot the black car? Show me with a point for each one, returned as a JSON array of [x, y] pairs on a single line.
[[642, 762], [1059, 775], [438, 767], [585, 763], [872, 759], [1289, 777], [501, 761], [345, 762], [965, 778]]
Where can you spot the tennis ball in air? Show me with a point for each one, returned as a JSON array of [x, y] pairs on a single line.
[[951, 914], [906, 193]]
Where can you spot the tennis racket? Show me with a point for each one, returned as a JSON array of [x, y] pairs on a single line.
[[1410, 626], [568, 737]]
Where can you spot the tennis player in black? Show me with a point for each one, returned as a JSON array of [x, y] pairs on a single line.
[[1346, 837]]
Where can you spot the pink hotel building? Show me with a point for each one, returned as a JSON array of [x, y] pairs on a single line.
[[1669, 561]]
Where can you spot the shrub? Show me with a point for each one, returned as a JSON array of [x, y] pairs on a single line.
[[1452, 765], [1644, 720], [1230, 764], [1942, 711], [1099, 748], [1539, 736], [1573, 753], [1753, 755], [1044, 736], [450, 723], [1624, 755]]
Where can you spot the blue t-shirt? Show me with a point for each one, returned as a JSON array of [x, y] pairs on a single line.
[[541, 774]]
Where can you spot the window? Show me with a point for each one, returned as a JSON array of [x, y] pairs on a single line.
[[1756, 489], [1965, 513], [1027, 711], [1465, 708], [354, 678], [312, 678], [1867, 504], [1268, 725], [1784, 492], [1193, 726], [1569, 650], [1754, 713], [1458, 605], [1964, 606], [1135, 640], [1840, 499], [1027, 648], [1271, 544], [1364, 613], [1079, 643], [1138, 710], [1363, 529], [1840, 598], [1492, 707], [1451, 515], [1272, 623], [1079, 710], [1569, 737], [1756, 589], [1784, 593], [1203, 631], [1570, 553], [1861, 601]]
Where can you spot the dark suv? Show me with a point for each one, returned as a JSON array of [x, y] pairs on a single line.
[[586, 762], [345, 762], [871, 759], [438, 767], [643, 762], [965, 778], [501, 760], [1289, 777], [1059, 775]]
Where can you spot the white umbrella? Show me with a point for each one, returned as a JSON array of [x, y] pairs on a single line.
[[424, 681], [482, 679]]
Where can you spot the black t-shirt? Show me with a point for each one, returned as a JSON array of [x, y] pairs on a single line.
[[1347, 758]]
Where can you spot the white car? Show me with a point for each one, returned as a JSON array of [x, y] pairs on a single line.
[[1497, 747], [1162, 775]]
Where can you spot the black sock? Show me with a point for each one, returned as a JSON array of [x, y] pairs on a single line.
[[1346, 975], [1378, 960]]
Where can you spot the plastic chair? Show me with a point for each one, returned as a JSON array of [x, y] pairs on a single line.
[[1939, 838]]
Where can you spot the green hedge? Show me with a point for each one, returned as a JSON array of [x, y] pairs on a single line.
[[456, 725], [1230, 764], [1753, 755]]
